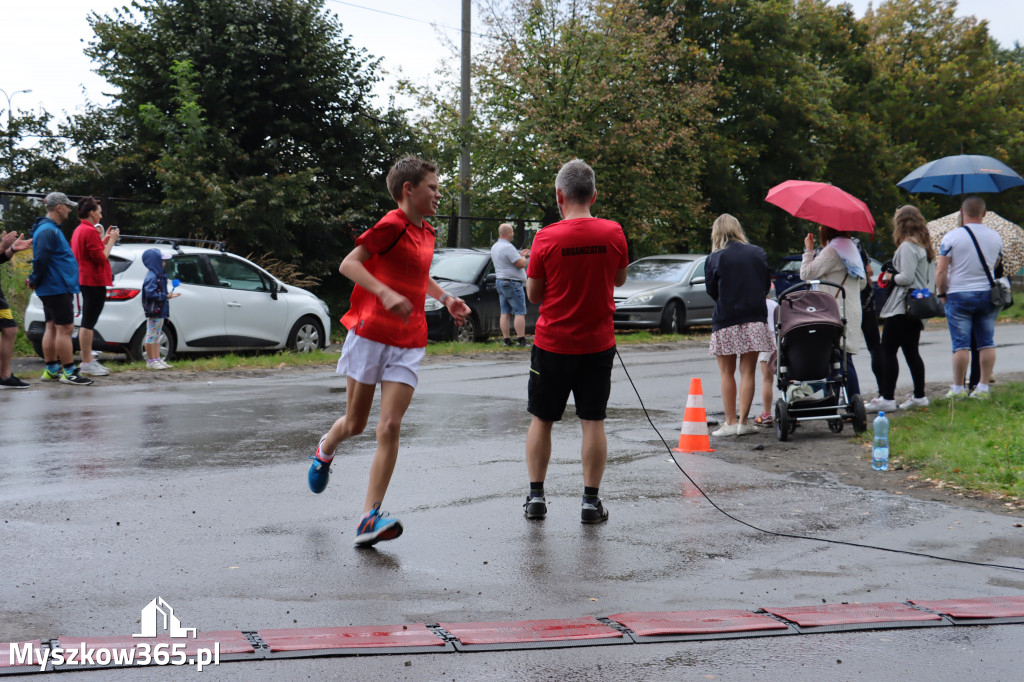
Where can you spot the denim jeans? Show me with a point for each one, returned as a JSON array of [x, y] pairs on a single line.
[[512, 297], [971, 311]]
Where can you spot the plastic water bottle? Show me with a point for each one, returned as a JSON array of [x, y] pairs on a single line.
[[880, 451]]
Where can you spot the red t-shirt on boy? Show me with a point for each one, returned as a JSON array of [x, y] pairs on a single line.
[[578, 260], [402, 262]]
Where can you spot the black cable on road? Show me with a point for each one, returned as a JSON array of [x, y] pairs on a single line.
[[794, 536]]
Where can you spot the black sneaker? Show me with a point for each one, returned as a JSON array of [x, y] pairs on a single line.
[[13, 382], [74, 378], [521, 342], [593, 513], [507, 343], [535, 507]]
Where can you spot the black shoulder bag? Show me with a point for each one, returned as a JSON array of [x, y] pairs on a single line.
[[1002, 295]]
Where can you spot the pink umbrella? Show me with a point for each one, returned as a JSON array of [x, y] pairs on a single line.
[[824, 204]]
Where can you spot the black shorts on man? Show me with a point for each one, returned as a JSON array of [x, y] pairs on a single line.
[[554, 375]]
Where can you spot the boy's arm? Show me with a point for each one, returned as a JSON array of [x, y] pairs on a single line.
[[456, 307], [353, 268]]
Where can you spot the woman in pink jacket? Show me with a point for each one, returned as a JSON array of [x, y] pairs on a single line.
[[92, 251]]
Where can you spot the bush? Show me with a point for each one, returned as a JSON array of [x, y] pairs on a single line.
[[12, 279]]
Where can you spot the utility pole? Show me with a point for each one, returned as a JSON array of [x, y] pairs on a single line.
[[465, 237]]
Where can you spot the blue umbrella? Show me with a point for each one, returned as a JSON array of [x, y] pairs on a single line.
[[961, 174]]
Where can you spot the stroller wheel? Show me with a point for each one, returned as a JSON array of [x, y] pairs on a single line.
[[860, 417], [835, 425], [782, 425]]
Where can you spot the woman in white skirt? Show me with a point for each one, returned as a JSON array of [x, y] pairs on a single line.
[[738, 279]]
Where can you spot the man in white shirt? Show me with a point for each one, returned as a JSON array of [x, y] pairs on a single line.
[[509, 267], [963, 285]]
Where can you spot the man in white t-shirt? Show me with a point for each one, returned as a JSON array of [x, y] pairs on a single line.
[[509, 265], [965, 288]]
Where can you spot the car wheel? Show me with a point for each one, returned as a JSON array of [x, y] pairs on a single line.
[[306, 336], [467, 333], [136, 349], [38, 346], [673, 318]]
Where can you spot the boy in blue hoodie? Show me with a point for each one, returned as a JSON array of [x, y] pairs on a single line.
[[154, 302], [54, 276]]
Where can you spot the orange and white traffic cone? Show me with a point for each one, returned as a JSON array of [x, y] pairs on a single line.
[[694, 436]]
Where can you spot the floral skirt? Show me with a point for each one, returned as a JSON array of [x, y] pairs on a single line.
[[742, 338]]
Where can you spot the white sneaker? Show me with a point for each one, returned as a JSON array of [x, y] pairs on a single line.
[[159, 364], [880, 404], [94, 368], [725, 430], [911, 402], [164, 363], [745, 429]]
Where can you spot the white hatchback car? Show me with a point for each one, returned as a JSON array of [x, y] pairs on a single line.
[[227, 303]]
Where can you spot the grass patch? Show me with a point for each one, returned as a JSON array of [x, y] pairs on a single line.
[[974, 444], [228, 361], [1015, 312], [493, 344]]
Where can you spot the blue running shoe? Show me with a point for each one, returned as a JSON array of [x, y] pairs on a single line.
[[375, 527], [50, 376], [319, 471]]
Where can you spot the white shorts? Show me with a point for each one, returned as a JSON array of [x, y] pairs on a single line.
[[370, 362]]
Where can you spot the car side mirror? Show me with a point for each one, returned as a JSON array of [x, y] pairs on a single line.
[[491, 279], [698, 280], [274, 288]]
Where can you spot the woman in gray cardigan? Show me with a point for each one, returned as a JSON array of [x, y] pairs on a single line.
[[914, 266]]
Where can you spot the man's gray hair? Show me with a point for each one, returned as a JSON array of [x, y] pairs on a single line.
[[576, 180], [506, 228]]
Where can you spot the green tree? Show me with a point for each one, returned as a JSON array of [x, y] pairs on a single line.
[[782, 108], [943, 86], [243, 120], [587, 79]]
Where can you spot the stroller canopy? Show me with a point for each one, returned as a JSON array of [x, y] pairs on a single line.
[[807, 308]]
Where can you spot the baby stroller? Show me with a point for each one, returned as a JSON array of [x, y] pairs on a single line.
[[810, 336]]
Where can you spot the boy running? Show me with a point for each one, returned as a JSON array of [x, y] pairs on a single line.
[[390, 267]]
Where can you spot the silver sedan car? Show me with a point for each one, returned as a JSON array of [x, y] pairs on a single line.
[[664, 292]]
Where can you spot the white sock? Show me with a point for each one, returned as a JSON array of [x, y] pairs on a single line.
[[957, 389]]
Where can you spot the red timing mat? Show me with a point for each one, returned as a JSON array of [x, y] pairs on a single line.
[[856, 616], [531, 631], [357, 637], [981, 608], [696, 622]]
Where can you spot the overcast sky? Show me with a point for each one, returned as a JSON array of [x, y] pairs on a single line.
[[42, 41]]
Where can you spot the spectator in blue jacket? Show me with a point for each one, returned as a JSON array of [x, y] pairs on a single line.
[[54, 276]]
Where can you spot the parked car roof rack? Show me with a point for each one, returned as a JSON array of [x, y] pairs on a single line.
[[175, 242]]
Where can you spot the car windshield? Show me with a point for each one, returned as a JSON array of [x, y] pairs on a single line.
[[789, 266], [658, 270], [458, 266]]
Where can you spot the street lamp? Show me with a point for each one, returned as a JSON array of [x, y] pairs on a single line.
[[9, 98]]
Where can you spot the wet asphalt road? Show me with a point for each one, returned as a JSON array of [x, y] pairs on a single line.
[[196, 492]]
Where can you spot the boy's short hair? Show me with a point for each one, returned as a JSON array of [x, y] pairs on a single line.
[[407, 169], [576, 180]]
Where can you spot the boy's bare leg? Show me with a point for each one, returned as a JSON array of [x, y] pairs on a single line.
[[358, 400], [766, 387], [538, 448], [595, 452], [394, 401]]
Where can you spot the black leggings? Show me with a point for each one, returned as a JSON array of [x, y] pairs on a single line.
[[900, 331]]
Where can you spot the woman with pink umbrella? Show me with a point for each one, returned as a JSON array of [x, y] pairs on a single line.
[[837, 213]]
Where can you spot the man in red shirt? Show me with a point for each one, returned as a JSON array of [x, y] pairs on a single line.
[[387, 334], [575, 265]]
